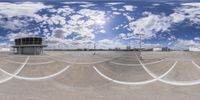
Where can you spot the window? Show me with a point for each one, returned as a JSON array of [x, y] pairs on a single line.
[[31, 41]]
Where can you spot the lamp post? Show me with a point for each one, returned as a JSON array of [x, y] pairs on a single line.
[[140, 36], [129, 45], [94, 48]]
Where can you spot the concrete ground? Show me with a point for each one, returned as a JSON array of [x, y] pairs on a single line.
[[107, 75]]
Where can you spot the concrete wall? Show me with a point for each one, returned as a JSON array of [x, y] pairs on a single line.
[[194, 49], [4, 49], [30, 50], [157, 49]]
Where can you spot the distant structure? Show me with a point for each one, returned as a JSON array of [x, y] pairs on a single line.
[[194, 48], [128, 48], [4, 49], [29, 46], [161, 49], [157, 49]]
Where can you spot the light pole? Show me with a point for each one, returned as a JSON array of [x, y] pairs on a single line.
[[94, 48], [140, 35], [129, 45]]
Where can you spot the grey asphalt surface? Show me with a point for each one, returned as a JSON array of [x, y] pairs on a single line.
[[80, 81]]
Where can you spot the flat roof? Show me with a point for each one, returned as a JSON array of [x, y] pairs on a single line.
[[29, 37], [33, 45]]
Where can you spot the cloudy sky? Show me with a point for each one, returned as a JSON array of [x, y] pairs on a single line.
[[104, 23]]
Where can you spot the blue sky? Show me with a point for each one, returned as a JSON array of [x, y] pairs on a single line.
[[107, 24]]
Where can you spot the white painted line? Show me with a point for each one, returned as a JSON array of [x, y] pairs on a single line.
[[133, 83], [177, 83], [80, 63], [196, 64], [22, 56], [36, 78], [179, 59], [41, 63], [15, 73], [136, 64]]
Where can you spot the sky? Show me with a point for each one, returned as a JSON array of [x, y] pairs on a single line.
[[107, 24]]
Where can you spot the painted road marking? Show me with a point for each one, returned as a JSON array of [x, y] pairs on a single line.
[[196, 64], [41, 63], [134, 83], [16, 72], [136, 64], [36, 78], [177, 83], [80, 63]]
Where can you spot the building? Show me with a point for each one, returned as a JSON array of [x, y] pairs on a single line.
[[194, 49], [29, 45], [128, 48], [4, 49], [161, 49], [157, 49]]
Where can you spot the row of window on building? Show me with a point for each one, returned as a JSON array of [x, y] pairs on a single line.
[[28, 41]]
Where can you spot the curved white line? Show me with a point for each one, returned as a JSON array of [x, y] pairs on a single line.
[[178, 83], [136, 64], [16, 72], [134, 83], [21, 56], [41, 63], [35, 78]]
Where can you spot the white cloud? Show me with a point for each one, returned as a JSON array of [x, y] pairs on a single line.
[[65, 10], [120, 26], [13, 36], [107, 43], [170, 3], [129, 7], [85, 23], [114, 3], [190, 11], [150, 25], [13, 24], [151, 45], [171, 38], [102, 31], [21, 9], [129, 17], [25, 9], [182, 44], [114, 8], [59, 33], [191, 4], [177, 17], [76, 2], [95, 15], [123, 36], [155, 4], [116, 13], [56, 19], [197, 38], [87, 5]]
